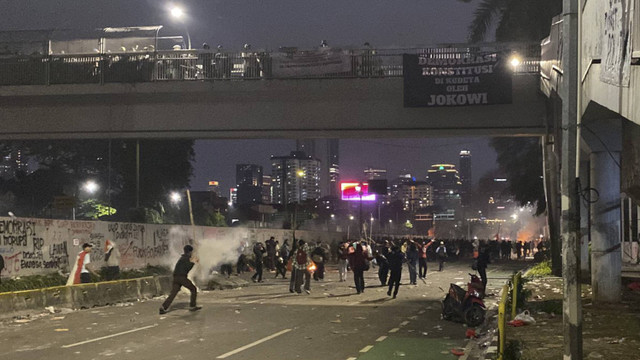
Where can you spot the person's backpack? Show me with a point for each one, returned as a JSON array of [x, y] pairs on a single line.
[[301, 257]]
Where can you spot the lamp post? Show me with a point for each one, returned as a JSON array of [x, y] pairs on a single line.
[[176, 198], [299, 176], [178, 14], [360, 223], [90, 187]]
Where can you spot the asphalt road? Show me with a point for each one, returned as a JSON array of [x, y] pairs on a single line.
[[261, 321]]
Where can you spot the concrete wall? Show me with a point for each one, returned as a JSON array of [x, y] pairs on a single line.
[[83, 295], [32, 246], [255, 109], [619, 99]]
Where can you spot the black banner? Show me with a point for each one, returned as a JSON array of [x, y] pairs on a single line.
[[461, 79]]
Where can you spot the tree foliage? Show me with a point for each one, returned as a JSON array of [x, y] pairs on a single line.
[[513, 20], [61, 167], [521, 160]]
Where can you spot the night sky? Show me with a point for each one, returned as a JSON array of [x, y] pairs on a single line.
[[268, 25]]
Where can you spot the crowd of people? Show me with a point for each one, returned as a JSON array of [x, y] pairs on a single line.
[[304, 261]]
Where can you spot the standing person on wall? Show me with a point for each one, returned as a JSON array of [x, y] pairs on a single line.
[[112, 258], [82, 267], [183, 266]]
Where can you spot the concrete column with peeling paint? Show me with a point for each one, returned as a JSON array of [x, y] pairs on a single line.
[[584, 218], [606, 260]]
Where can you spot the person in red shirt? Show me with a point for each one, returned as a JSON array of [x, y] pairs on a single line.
[[422, 261]]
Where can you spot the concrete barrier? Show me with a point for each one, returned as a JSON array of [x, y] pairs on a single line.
[[84, 295]]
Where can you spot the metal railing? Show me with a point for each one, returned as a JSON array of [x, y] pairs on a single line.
[[188, 65], [512, 288], [502, 321]]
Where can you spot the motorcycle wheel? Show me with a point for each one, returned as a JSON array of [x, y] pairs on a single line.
[[474, 316]]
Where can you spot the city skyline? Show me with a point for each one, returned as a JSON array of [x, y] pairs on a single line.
[[217, 159]]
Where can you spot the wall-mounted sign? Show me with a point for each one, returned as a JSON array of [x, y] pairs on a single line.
[[456, 79]]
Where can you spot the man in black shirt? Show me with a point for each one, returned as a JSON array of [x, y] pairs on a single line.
[[183, 266]]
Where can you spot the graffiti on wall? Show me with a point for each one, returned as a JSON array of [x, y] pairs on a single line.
[[39, 246]]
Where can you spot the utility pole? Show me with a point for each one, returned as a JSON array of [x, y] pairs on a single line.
[[570, 223]]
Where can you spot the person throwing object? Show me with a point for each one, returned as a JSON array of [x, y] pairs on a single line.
[[183, 266]]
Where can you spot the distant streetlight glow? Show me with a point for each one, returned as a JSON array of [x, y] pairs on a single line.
[[515, 61], [177, 12], [351, 217], [91, 186], [300, 173], [175, 197]]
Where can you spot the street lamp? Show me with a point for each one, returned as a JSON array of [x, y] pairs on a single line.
[[359, 189], [178, 14], [91, 186], [175, 197], [300, 174]]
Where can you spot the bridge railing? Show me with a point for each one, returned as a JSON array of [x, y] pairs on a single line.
[[189, 65]]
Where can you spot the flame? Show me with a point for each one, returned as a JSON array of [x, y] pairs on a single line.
[[311, 267]]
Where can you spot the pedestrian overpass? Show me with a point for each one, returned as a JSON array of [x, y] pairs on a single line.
[[203, 94]]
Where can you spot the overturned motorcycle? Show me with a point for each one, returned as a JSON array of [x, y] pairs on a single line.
[[465, 306]]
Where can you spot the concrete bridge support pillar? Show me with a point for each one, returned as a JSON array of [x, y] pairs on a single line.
[[584, 220], [606, 261]]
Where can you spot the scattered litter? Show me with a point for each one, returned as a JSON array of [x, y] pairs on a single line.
[[516, 323], [237, 311], [22, 321], [60, 330], [594, 355], [634, 286], [525, 317], [137, 313], [399, 353], [50, 309], [360, 318], [425, 333], [470, 334], [617, 341], [57, 318], [410, 330], [336, 321], [457, 352]]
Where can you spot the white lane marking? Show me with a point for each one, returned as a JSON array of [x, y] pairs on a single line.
[[366, 348], [404, 323], [393, 330], [258, 342], [265, 298], [381, 338], [109, 336]]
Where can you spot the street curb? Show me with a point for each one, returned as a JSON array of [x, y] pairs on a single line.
[[84, 295]]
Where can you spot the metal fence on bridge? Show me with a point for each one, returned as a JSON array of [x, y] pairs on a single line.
[[186, 65]]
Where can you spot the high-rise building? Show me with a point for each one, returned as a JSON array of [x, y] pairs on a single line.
[[415, 195], [465, 176], [372, 173], [233, 196], [446, 185], [308, 146], [249, 183], [11, 164], [333, 166], [214, 186], [267, 189], [395, 186], [295, 178]]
